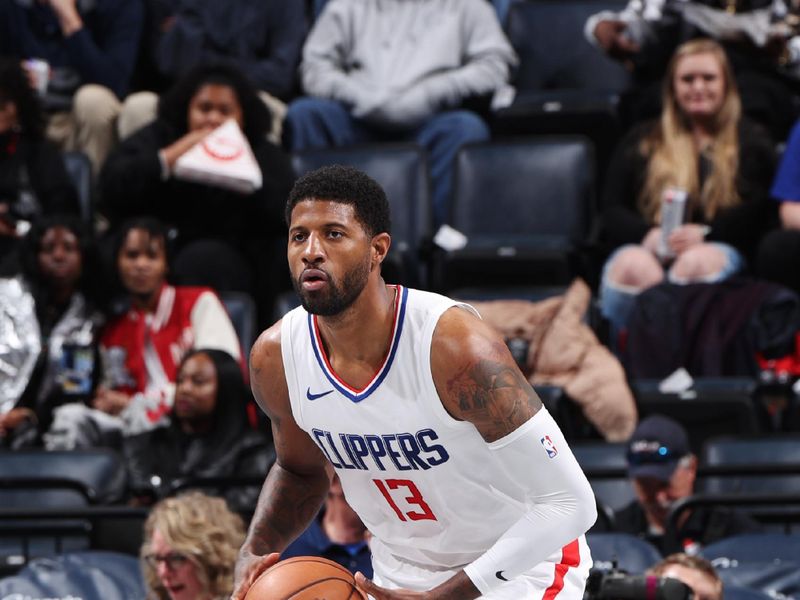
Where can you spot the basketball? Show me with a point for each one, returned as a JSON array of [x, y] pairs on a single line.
[[305, 578]]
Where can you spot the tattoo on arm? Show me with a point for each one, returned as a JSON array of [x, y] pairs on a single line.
[[286, 506], [494, 396]]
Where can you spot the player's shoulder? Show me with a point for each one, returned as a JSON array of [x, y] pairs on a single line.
[[461, 334], [267, 348]]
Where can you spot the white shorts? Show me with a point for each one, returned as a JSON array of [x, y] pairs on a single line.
[[563, 579]]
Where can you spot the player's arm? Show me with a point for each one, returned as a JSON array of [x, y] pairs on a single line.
[[478, 381], [298, 481]]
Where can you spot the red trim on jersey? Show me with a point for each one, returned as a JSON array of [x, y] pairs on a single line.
[[324, 354], [570, 557]]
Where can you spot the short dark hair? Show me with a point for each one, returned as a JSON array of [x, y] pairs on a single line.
[[173, 107], [347, 185]]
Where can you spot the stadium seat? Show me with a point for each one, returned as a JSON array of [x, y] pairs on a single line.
[[524, 207], [755, 547], [79, 169], [713, 407], [92, 575], [242, 311], [606, 467], [735, 592], [564, 84], [631, 554], [767, 450], [768, 562], [54, 480], [402, 171], [62, 478]]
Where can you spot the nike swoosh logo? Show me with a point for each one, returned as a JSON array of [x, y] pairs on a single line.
[[311, 396], [499, 575]]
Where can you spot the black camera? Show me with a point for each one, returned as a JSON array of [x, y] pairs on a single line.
[[617, 585]]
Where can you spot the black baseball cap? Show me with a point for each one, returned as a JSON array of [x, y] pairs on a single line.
[[656, 446]]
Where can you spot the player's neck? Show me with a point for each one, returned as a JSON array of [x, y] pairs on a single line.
[[362, 332]]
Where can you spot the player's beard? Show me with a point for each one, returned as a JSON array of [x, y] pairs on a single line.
[[335, 298]]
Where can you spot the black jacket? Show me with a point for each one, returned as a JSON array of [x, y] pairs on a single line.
[[704, 526]]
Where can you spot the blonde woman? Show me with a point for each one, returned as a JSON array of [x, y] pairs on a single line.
[[700, 147], [190, 546]]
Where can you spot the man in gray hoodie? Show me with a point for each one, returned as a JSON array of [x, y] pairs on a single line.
[[401, 70]]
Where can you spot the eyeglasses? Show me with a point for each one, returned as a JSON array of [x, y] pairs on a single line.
[[173, 560]]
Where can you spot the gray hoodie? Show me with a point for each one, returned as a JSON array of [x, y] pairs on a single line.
[[398, 62]]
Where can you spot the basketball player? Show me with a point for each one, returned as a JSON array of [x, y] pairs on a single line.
[[442, 447]]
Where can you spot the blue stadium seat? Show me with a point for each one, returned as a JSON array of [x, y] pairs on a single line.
[[735, 592], [91, 575], [755, 547], [631, 554], [768, 562], [525, 208], [402, 171]]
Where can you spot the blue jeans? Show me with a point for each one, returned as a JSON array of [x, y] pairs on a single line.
[[617, 302], [317, 123]]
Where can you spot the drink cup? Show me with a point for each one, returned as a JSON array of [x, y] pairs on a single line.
[[40, 71], [673, 205]]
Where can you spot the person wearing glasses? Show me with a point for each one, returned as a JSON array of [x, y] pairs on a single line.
[[662, 470], [190, 546]]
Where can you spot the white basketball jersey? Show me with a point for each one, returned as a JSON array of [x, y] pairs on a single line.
[[426, 485]]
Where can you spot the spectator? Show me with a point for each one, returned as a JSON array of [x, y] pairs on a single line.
[[142, 348], [337, 534], [225, 239], [33, 179], [207, 435], [702, 146], [190, 545], [90, 47], [694, 571], [761, 46], [398, 70], [662, 470], [777, 256], [50, 329], [262, 39]]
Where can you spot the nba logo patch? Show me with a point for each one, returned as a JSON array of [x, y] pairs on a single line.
[[549, 447]]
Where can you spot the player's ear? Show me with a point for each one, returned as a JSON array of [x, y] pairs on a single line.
[[380, 247]]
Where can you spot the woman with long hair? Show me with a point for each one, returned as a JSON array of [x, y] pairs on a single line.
[[687, 196], [207, 435]]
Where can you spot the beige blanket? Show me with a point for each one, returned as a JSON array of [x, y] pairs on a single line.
[[565, 352]]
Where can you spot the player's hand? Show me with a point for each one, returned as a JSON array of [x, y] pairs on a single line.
[[378, 593], [686, 236], [248, 568]]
